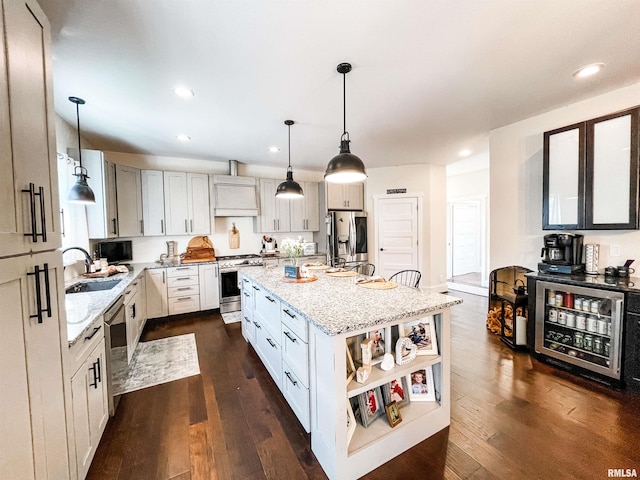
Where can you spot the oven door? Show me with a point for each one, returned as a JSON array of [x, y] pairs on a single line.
[[229, 290]]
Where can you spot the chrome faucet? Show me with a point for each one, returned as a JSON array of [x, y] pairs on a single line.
[[87, 258]]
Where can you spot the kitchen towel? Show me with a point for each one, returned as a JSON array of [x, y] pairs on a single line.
[[159, 361]]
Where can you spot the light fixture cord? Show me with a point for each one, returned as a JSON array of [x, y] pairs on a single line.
[[344, 102], [79, 149], [289, 146]]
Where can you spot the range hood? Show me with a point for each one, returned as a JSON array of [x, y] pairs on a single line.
[[233, 195]]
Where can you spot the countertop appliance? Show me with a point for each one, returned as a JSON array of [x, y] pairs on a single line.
[[118, 251], [115, 334], [561, 253], [347, 236], [229, 279]]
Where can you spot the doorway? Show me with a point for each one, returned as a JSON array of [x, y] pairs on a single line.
[[466, 246]]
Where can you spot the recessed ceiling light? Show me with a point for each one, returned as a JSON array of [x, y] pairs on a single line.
[[464, 153], [274, 149], [183, 138], [588, 70], [183, 92]]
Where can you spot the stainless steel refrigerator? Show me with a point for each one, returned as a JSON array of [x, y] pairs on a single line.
[[347, 236]]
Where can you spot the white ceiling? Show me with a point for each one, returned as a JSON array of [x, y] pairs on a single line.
[[429, 77]]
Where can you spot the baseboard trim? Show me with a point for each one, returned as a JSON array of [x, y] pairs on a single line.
[[460, 287]]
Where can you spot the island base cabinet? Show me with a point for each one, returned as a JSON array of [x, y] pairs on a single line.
[[345, 458], [296, 394], [270, 352]]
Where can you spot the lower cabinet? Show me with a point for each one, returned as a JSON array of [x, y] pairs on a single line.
[[89, 395], [132, 302], [631, 363], [269, 350], [209, 286], [156, 293], [183, 289], [248, 327]]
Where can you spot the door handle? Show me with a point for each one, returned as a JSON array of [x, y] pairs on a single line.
[[39, 310], [93, 334], [98, 371], [271, 342], [92, 368], [186, 229], [288, 374], [32, 208], [161, 226], [288, 335], [142, 226]]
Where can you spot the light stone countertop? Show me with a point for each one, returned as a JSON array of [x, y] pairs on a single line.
[[338, 305]]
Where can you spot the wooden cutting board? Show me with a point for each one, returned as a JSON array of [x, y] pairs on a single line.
[[379, 285]]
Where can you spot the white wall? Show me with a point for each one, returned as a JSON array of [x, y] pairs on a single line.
[[430, 181], [516, 185]]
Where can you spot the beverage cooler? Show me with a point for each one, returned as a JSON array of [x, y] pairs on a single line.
[[580, 326]]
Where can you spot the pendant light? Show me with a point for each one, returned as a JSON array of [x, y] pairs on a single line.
[[80, 192], [289, 188], [345, 167]]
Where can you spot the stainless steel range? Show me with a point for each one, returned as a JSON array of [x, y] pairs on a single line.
[[229, 279]]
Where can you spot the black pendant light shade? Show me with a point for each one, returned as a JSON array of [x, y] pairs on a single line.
[[80, 192], [289, 188], [345, 167]]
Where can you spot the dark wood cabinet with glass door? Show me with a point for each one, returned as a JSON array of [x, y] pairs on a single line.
[[590, 174]]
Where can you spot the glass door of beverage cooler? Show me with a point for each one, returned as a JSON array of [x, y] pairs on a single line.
[[580, 326]]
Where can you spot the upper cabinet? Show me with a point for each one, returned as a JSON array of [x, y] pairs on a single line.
[[129, 204], [152, 202], [590, 174], [28, 181], [102, 217], [186, 203], [347, 196], [274, 212], [305, 212]]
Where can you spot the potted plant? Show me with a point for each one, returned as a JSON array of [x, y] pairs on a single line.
[[293, 248]]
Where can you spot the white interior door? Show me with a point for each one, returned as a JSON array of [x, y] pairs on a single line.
[[465, 238], [397, 235]]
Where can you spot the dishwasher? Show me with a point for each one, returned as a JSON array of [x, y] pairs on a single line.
[[115, 330]]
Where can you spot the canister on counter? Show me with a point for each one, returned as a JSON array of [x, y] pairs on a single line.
[[581, 321], [568, 300]]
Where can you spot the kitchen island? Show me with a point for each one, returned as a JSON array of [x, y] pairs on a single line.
[[306, 334]]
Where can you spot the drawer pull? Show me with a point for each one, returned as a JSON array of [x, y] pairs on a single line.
[[291, 378], [183, 278], [246, 294], [271, 342], [270, 299], [293, 339], [181, 289], [288, 313], [245, 280], [93, 334], [255, 288], [256, 324], [247, 319], [183, 268], [183, 298]]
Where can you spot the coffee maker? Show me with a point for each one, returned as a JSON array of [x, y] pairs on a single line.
[[562, 253]]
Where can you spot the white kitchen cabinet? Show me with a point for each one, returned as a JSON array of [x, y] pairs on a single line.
[[152, 202], [305, 212], [186, 203], [345, 196], [142, 303], [132, 317], [248, 306], [156, 292], [33, 431], [274, 212], [209, 286], [102, 217], [183, 289], [29, 219], [89, 396], [129, 201]]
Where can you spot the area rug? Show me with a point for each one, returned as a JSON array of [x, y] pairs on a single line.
[[231, 317], [159, 361]]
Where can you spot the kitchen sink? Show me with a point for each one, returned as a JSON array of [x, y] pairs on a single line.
[[83, 287]]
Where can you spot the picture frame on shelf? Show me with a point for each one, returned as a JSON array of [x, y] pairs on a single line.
[[393, 414], [371, 406], [397, 390], [422, 385], [378, 341], [351, 368], [351, 422], [353, 344], [422, 333]]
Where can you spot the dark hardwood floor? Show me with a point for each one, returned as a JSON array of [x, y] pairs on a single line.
[[512, 417]]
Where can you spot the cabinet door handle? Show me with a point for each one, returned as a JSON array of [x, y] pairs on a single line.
[[255, 288], [288, 335], [38, 287], [98, 372], [161, 226], [32, 208], [182, 289], [93, 334], [183, 268], [186, 229], [182, 278], [288, 374], [191, 224], [256, 324], [92, 369], [271, 342], [62, 222], [133, 310], [246, 319], [163, 277], [288, 313], [270, 299], [181, 299], [142, 226], [274, 224], [246, 294]]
